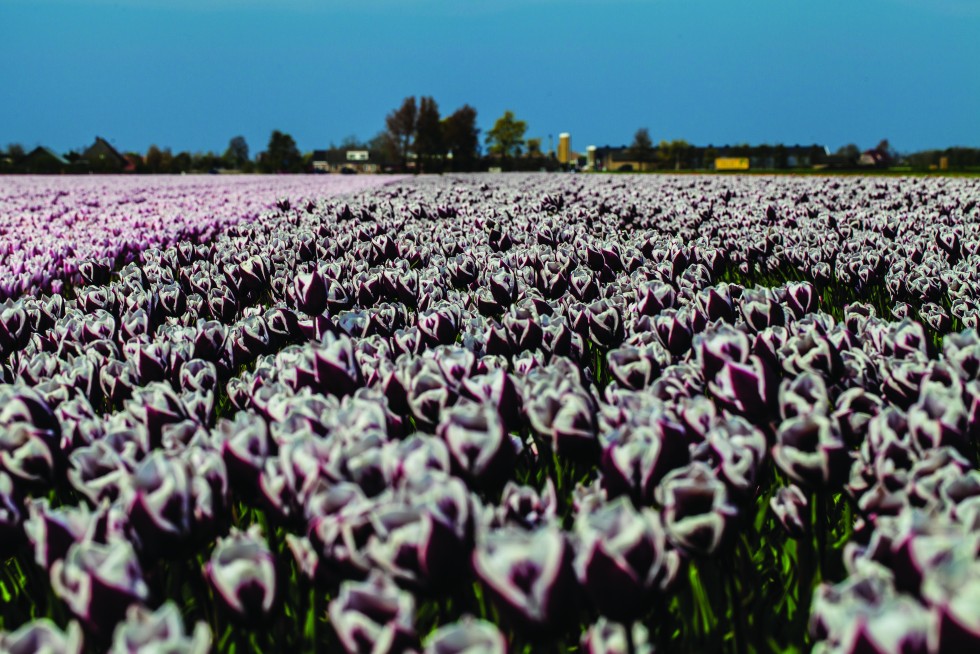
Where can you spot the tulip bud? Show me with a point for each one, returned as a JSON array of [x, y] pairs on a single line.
[[467, 636], [605, 637], [11, 515], [623, 559], [337, 371], [242, 573], [478, 443], [792, 510], [748, 389], [30, 436], [144, 631], [160, 506], [14, 328], [605, 324], [761, 310], [811, 453], [716, 303], [529, 575], [636, 367], [635, 459], [722, 345], [310, 292], [801, 297], [565, 416], [374, 614], [697, 513], [42, 636], [675, 331], [99, 582], [223, 304], [503, 287], [939, 418]]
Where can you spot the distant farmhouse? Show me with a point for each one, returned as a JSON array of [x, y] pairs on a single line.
[[101, 157], [346, 161], [726, 157], [44, 161]]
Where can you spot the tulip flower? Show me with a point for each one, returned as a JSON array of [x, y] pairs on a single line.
[[635, 459], [242, 573], [374, 615], [523, 506], [528, 574], [606, 637], [791, 508], [467, 636], [146, 631], [748, 389], [811, 453], [623, 559], [43, 635], [11, 515], [801, 298], [161, 504], [478, 443], [697, 513], [99, 582]]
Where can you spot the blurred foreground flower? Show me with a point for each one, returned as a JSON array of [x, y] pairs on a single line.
[[242, 572], [374, 616], [529, 575], [42, 636], [146, 632], [467, 636]]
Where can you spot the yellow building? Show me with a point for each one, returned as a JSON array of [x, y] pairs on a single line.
[[564, 148], [732, 163]]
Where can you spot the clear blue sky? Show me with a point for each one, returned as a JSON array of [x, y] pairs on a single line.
[[190, 74]]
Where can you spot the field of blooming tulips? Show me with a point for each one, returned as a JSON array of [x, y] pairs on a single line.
[[489, 414], [50, 225]]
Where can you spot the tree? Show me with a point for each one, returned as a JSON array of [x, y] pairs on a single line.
[[461, 138], [182, 162], [780, 156], [383, 149], [534, 148], [710, 154], [641, 150], [206, 161], [401, 128], [849, 153], [166, 161], [153, 159], [428, 135], [282, 155], [15, 152], [674, 152], [887, 152], [237, 153], [507, 136]]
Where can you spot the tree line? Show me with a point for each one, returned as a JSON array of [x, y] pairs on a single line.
[[417, 138]]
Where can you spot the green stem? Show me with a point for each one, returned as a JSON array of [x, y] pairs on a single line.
[[820, 530], [734, 603]]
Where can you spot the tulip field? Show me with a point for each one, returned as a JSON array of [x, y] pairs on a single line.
[[490, 414]]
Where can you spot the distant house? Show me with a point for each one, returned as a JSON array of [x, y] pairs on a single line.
[[724, 157], [621, 159], [44, 161], [347, 161], [101, 157], [874, 159]]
